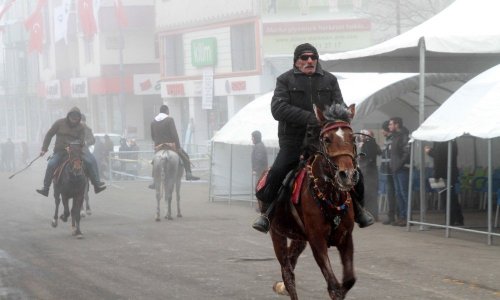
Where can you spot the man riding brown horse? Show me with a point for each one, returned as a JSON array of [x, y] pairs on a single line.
[[297, 92], [67, 130], [163, 131]]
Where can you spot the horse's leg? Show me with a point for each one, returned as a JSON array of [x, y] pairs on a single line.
[[158, 198], [281, 251], [57, 198], [169, 190], [178, 195], [346, 251], [319, 248], [294, 250], [65, 214], [75, 214], [168, 202]]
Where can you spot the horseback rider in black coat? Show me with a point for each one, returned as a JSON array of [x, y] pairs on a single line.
[[297, 92]]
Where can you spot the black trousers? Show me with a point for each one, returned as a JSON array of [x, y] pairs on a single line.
[[288, 158]]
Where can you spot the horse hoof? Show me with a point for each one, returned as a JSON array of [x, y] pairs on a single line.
[[63, 218], [54, 223], [157, 218], [82, 214], [89, 212], [280, 289], [79, 236], [179, 216], [169, 217]]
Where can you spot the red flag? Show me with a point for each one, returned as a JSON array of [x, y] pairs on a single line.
[[87, 20], [34, 24], [121, 16]]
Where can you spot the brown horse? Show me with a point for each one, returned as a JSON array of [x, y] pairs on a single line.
[[324, 214], [69, 183]]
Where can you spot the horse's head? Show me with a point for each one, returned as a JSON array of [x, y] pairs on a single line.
[[75, 151], [337, 145]]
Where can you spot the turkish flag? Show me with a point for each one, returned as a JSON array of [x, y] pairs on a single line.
[[34, 24], [87, 20], [121, 17]]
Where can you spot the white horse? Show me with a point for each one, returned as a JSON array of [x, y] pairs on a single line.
[[167, 174]]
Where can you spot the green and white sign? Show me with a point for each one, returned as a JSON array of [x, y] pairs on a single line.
[[204, 52]]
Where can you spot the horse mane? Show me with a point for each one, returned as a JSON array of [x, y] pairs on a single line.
[[338, 112]]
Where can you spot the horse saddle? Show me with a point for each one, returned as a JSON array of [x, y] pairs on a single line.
[[292, 182]]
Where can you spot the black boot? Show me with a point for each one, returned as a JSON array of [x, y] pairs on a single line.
[[189, 176], [262, 223], [361, 216], [43, 191], [99, 188]]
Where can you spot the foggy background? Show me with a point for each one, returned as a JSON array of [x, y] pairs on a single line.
[[118, 61]]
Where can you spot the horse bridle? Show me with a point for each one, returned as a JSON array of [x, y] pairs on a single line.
[[323, 149], [75, 167]]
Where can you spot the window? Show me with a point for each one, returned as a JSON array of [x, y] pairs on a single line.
[[243, 47], [173, 55]]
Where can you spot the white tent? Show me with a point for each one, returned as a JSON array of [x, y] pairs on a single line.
[[377, 97], [472, 110], [464, 37]]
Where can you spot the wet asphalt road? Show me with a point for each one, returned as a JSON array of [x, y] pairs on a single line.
[[211, 253]]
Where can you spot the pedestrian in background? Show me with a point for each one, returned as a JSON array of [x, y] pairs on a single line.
[[439, 152], [368, 165], [386, 174], [400, 162], [259, 155]]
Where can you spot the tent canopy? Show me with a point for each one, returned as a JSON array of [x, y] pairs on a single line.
[[464, 37], [473, 109], [377, 97]]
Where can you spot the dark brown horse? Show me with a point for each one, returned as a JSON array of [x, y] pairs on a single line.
[[70, 183], [324, 214]]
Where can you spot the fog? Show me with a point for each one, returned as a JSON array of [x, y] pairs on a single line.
[[119, 62]]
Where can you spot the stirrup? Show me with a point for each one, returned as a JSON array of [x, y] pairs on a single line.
[[262, 223]]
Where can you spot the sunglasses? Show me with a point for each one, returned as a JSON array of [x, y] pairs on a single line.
[[305, 57]]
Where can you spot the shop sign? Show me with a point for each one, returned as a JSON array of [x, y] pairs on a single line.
[[53, 89], [204, 52], [175, 89], [147, 84], [79, 88]]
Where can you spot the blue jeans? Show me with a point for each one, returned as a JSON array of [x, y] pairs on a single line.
[[89, 162], [401, 181]]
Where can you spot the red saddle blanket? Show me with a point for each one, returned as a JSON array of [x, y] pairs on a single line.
[[297, 185]]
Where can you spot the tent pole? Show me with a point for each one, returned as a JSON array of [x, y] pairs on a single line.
[[410, 188], [210, 178], [230, 175], [421, 114], [490, 191], [449, 190]]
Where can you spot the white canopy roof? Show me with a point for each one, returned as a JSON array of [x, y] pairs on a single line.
[[377, 97], [465, 27], [473, 109]]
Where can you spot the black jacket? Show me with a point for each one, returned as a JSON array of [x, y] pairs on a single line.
[[293, 99], [400, 150], [440, 154], [164, 131]]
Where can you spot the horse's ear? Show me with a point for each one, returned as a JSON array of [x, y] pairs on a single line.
[[352, 111], [319, 113]]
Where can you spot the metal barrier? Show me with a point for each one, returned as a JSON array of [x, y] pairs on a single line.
[[136, 165]]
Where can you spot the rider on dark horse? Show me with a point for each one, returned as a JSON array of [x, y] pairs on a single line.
[[163, 131], [67, 130], [297, 92]]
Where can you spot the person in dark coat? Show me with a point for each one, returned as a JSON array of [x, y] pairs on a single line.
[[439, 152], [67, 130], [368, 165], [296, 92], [400, 162], [163, 131], [386, 173], [259, 154]]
